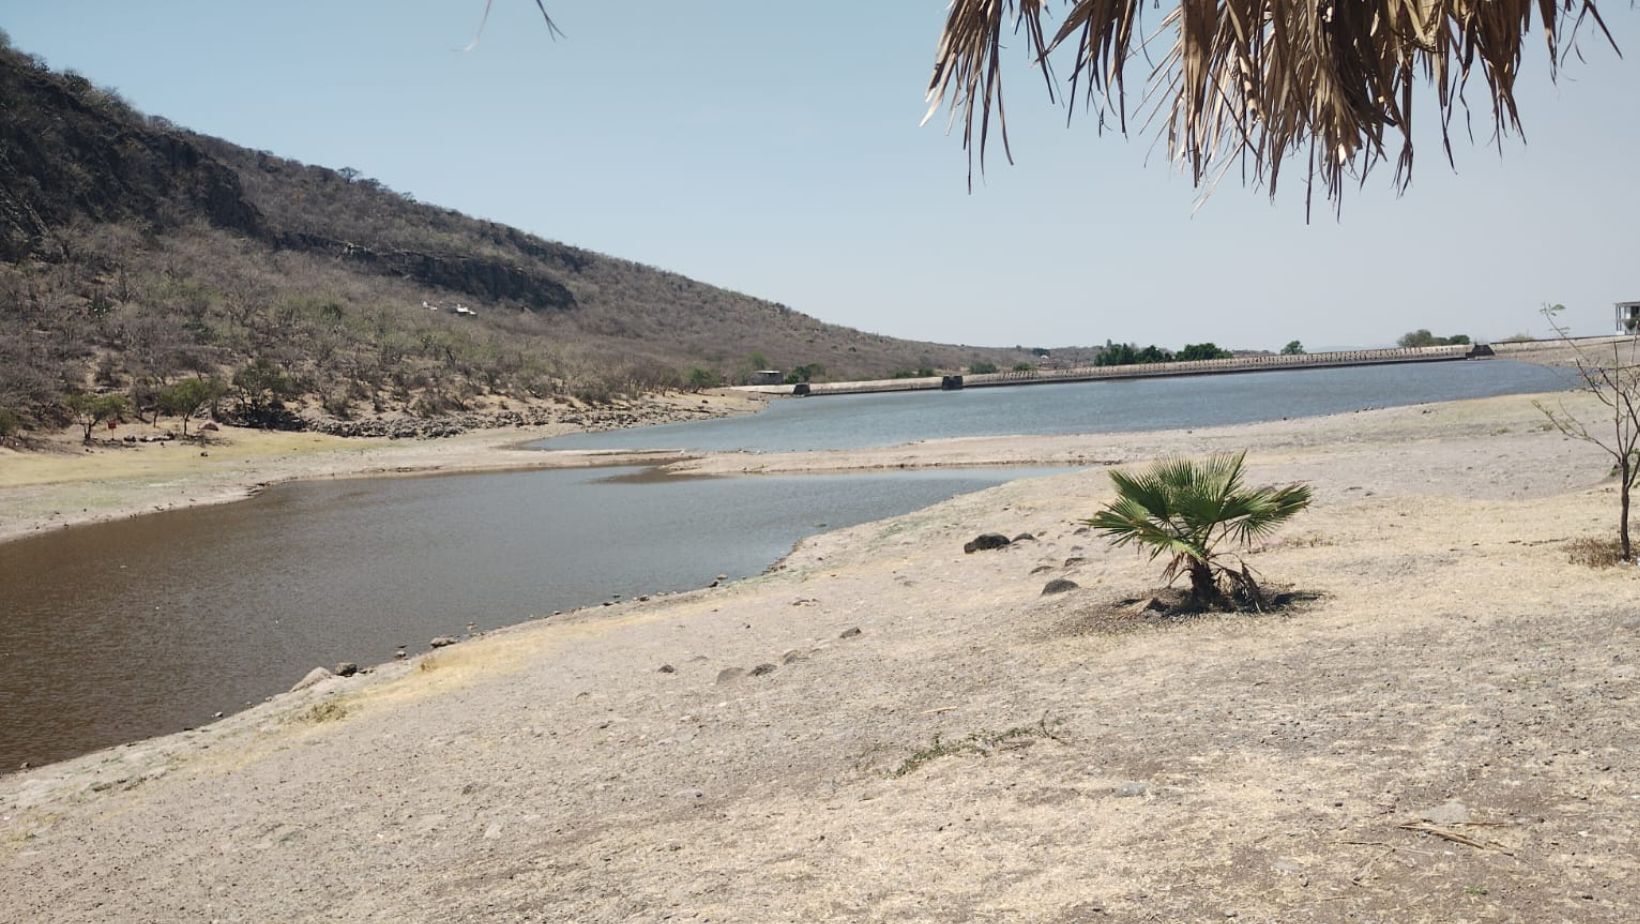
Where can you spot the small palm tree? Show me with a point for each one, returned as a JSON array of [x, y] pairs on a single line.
[[1188, 510]]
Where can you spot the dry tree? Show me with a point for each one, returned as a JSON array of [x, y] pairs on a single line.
[[1615, 384]]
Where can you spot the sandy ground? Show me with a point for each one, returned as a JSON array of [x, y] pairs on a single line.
[[66, 484], [766, 751]]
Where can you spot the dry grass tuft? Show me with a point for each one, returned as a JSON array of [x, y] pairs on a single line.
[[1594, 552], [327, 711]]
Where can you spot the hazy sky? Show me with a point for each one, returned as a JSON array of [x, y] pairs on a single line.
[[774, 148]]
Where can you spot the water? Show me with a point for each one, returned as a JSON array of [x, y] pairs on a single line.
[[859, 421], [141, 627]]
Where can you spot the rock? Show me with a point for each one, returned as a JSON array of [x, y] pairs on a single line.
[[1042, 569], [1024, 537], [1450, 812], [792, 656], [346, 669], [763, 669], [1131, 789], [985, 542], [209, 426], [314, 676], [850, 633], [1074, 560], [443, 641], [1059, 586], [667, 669], [400, 654], [730, 674]]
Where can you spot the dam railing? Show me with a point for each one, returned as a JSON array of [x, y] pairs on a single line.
[[1270, 363]]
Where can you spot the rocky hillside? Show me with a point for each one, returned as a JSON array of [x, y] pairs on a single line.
[[134, 253]]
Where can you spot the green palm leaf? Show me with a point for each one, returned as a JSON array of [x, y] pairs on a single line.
[[1188, 509]]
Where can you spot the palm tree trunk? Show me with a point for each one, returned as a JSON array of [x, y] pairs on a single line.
[[1203, 589]]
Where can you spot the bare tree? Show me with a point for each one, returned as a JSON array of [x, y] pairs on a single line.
[[1616, 385]]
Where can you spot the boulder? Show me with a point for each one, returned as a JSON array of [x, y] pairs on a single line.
[[985, 542], [443, 641], [346, 669], [1059, 586], [317, 675]]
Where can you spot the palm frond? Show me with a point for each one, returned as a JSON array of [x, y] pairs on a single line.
[[1332, 83], [1186, 508]]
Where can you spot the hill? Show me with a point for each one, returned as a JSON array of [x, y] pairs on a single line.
[[134, 253]]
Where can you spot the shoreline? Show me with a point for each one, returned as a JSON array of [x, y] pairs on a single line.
[[125, 481], [655, 750], [33, 499]]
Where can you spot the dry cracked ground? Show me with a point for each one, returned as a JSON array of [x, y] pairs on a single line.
[[1446, 733]]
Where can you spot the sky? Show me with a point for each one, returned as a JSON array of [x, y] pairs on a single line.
[[775, 148]]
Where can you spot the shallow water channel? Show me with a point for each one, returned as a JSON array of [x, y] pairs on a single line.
[[124, 630]]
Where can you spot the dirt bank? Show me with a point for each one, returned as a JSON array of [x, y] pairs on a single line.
[[889, 729]]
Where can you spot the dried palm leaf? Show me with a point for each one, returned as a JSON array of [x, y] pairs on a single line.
[[1258, 82]]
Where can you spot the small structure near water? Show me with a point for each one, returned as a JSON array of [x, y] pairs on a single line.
[[1628, 318]]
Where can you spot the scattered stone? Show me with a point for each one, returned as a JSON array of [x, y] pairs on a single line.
[[792, 656], [985, 542], [346, 669], [1450, 812], [209, 426], [314, 676], [850, 633], [218, 715], [1059, 586], [1024, 537], [690, 794], [1132, 789], [667, 669], [400, 654], [1075, 560], [1042, 569], [763, 669], [722, 577], [730, 674], [443, 641]]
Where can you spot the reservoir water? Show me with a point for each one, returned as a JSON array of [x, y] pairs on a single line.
[[130, 629], [124, 630], [858, 421]]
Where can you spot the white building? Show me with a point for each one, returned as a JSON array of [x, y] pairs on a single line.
[[1628, 317]]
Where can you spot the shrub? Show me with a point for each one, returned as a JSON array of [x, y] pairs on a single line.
[[1189, 511]]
